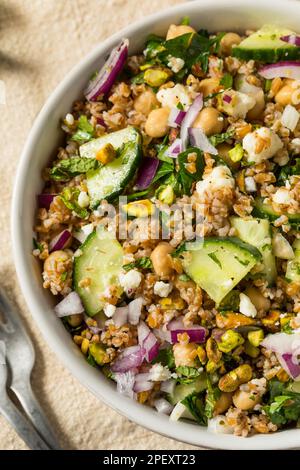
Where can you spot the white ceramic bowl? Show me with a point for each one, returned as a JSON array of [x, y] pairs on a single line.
[[42, 142]]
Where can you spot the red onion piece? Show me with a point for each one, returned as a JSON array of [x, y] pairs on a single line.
[[120, 316], [101, 84], [147, 341], [189, 119], [70, 305], [162, 335], [196, 333], [142, 383], [294, 369], [60, 241], [125, 382], [44, 200], [198, 139], [291, 39], [175, 148], [101, 122], [227, 99], [176, 117], [135, 310], [284, 69], [163, 406], [129, 359], [146, 172]]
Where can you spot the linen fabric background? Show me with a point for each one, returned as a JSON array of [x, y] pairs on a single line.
[[40, 41]]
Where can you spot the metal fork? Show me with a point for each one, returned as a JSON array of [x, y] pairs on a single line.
[[20, 357]]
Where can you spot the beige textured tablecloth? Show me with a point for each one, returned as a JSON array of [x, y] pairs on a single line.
[[40, 40]]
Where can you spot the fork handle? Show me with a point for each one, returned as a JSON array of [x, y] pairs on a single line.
[[23, 427], [34, 411]]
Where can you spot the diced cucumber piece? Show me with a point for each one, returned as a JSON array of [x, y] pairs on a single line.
[[266, 211], [257, 232], [293, 265], [183, 390], [108, 181], [265, 45], [218, 264], [100, 263]]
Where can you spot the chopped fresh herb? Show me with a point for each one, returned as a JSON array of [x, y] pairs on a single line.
[[185, 177], [194, 403], [138, 79], [142, 263], [220, 138], [289, 170], [165, 169], [180, 106], [37, 245], [283, 405], [64, 276], [268, 84], [184, 278], [71, 167], [187, 374], [165, 357], [178, 251], [287, 328], [185, 20], [226, 81], [85, 130], [212, 396], [214, 257], [91, 360], [69, 196], [212, 95], [138, 195]]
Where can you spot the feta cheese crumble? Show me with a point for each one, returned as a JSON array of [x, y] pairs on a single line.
[[171, 97], [109, 310], [218, 178], [83, 199], [131, 280], [246, 306], [261, 144], [162, 289], [159, 373], [175, 64]]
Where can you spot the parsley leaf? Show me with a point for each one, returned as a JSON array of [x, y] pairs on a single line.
[[142, 263], [37, 245], [85, 130], [212, 396], [220, 138], [165, 169], [186, 178], [226, 81], [284, 405], [289, 170], [165, 357], [69, 197], [186, 374], [194, 403], [71, 167]]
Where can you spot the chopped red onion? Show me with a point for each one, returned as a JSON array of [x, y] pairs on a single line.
[[146, 172], [189, 119], [142, 383], [60, 241], [227, 98], [175, 148], [198, 139], [163, 406], [168, 386], [105, 78], [135, 310], [287, 349], [176, 117], [284, 69], [125, 382], [70, 305], [101, 122], [291, 39], [162, 335], [196, 333], [128, 359], [120, 316], [44, 200], [147, 341]]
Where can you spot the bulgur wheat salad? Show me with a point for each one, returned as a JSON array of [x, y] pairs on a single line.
[[168, 226]]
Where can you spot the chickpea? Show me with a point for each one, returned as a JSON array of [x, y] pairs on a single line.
[[75, 320], [145, 102], [157, 122], [223, 150], [52, 263], [245, 400], [208, 86], [259, 301], [284, 95], [256, 111], [229, 40], [223, 403], [162, 264], [178, 30], [185, 354], [210, 120]]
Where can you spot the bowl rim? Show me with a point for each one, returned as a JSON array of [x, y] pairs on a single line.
[[148, 418]]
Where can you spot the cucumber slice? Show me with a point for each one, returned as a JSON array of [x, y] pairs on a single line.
[[266, 211], [257, 232], [101, 262], [110, 180], [265, 45], [293, 265], [218, 264], [183, 390]]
